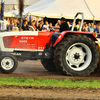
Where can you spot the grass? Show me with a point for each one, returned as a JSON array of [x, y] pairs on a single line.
[[49, 82]]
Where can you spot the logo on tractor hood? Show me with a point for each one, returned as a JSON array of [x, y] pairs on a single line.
[[27, 38]]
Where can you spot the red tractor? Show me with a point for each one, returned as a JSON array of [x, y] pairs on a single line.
[[74, 52]]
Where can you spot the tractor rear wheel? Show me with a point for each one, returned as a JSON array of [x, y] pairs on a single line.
[[8, 63], [49, 65], [76, 55]]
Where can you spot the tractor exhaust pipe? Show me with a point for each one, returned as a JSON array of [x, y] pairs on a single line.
[[21, 7]]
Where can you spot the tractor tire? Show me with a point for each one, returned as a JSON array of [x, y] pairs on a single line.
[[76, 55], [8, 63], [49, 65]]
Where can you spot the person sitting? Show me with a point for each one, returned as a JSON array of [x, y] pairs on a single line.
[[63, 27], [25, 26]]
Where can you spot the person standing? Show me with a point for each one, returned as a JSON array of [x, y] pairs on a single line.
[[10, 27], [5, 24], [97, 32], [46, 26], [33, 25], [78, 25], [31, 20], [91, 28]]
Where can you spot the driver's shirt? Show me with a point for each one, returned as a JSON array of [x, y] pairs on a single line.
[[64, 27]]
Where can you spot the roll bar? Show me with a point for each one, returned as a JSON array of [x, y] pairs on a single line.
[[78, 13]]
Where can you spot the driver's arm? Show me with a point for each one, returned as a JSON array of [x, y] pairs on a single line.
[[57, 27]]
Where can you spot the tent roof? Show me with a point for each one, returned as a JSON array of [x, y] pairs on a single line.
[[8, 14], [63, 8], [27, 2]]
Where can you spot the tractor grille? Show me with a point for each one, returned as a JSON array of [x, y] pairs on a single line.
[[26, 45]]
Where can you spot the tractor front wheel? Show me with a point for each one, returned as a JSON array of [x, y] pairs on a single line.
[[8, 63]]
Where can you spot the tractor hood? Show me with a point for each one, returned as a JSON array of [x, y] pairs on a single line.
[[19, 33]]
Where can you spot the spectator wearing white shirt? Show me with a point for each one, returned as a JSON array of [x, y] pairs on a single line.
[[5, 24], [15, 28], [58, 23], [46, 26]]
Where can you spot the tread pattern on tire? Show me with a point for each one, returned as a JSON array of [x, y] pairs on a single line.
[[59, 59], [49, 65]]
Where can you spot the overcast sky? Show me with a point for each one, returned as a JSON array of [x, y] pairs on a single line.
[[27, 2]]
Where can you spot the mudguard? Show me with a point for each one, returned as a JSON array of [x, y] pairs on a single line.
[[61, 36]]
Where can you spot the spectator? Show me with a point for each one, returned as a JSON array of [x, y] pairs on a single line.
[[40, 27], [70, 25], [25, 27], [75, 28], [46, 26], [78, 25], [8, 21], [98, 23], [33, 25], [95, 26], [15, 21], [42, 23], [5, 24], [15, 28], [10, 27], [97, 31], [86, 28], [50, 27], [24, 19], [83, 28], [58, 23], [91, 28], [36, 24], [31, 20]]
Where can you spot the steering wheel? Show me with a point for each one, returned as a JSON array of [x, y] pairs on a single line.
[[31, 28]]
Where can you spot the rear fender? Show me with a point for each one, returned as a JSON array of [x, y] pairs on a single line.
[[66, 33]]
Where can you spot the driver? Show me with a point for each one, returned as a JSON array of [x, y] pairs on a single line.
[[63, 27]]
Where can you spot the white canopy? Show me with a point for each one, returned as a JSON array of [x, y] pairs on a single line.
[[26, 2], [8, 14], [63, 8]]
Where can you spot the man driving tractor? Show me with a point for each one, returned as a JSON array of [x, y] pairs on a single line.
[[63, 27]]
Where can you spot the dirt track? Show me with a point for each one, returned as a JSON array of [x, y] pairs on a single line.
[[34, 69], [48, 93]]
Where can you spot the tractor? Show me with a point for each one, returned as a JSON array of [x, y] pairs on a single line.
[[74, 53]]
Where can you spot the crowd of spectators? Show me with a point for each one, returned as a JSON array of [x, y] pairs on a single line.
[[13, 25]]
